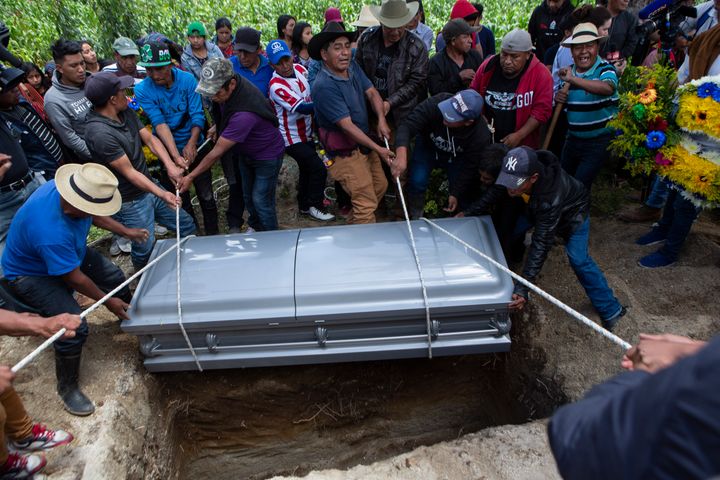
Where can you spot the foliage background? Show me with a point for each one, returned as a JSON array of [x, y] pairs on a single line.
[[36, 24]]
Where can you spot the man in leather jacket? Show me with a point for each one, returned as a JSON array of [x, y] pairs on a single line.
[[557, 205]]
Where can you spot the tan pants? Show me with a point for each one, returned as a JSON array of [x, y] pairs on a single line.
[[14, 421], [363, 179]]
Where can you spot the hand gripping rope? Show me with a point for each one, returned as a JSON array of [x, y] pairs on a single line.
[[30, 357]]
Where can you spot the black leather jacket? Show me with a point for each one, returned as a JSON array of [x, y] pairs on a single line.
[[558, 206], [407, 79]]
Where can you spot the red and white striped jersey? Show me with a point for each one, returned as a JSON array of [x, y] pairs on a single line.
[[286, 94]]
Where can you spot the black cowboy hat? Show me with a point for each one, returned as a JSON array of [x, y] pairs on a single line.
[[330, 32]]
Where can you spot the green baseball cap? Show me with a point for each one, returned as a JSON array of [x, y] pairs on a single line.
[[155, 54], [215, 73], [196, 28]]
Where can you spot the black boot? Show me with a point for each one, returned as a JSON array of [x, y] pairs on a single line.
[[67, 370]]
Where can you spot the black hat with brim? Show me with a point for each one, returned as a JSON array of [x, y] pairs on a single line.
[[331, 31]]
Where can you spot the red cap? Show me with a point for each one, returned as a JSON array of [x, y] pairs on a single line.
[[332, 14], [462, 9]]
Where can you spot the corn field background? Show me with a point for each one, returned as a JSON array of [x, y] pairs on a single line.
[[35, 24]]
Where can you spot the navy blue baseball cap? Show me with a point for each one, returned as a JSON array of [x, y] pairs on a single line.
[[519, 164], [464, 105], [276, 50]]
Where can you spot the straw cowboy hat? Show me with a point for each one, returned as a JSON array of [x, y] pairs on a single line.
[[583, 33], [394, 13], [365, 19], [91, 188]]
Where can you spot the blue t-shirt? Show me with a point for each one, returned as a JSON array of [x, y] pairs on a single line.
[[261, 77], [336, 98], [43, 240], [179, 107]]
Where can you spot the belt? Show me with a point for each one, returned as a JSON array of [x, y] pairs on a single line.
[[19, 184]]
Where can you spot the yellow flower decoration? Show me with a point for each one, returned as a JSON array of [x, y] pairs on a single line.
[[694, 173], [699, 115], [648, 96]]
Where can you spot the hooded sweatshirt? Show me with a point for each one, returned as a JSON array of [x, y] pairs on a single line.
[[544, 26], [66, 107]]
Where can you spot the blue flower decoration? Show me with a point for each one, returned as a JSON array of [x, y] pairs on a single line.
[[655, 139], [716, 94], [706, 90], [619, 132]]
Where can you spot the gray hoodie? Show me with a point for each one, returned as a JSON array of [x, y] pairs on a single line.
[[66, 107]]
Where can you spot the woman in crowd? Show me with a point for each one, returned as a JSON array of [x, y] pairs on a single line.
[[92, 64], [285, 27], [35, 78], [223, 36], [302, 33]]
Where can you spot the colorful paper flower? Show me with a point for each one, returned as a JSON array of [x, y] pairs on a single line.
[[648, 96], [655, 139], [661, 159], [707, 89], [638, 111], [659, 124]]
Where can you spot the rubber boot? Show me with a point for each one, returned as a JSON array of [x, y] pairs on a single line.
[[416, 205], [67, 370]]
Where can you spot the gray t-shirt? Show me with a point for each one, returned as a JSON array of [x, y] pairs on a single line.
[[109, 140]]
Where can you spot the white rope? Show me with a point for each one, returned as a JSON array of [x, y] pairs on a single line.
[[428, 325], [577, 315], [29, 358], [177, 270]]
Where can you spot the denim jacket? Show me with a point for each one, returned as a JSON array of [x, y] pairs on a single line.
[[191, 64]]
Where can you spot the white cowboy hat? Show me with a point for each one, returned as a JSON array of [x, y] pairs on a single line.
[[366, 18], [583, 33], [91, 188], [395, 13]]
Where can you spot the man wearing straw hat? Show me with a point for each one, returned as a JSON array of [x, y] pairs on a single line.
[[591, 102], [46, 259]]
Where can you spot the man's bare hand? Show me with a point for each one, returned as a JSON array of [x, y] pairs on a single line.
[[512, 140], [212, 133], [383, 130], [118, 307], [518, 303], [47, 327], [386, 155], [175, 174], [655, 352], [452, 204], [5, 164], [181, 163], [184, 184], [386, 107], [6, 378], [171, 200], [190, 152], [467, 75], [139, 235]]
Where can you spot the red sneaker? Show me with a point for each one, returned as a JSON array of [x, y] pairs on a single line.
[[21, 466], [42, 438]]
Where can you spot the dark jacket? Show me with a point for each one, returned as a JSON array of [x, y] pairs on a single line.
[[558, 205], [444, 73], [457, 144], [544, 26], [407, 77], [622, 36], [645, 426], [245, 98]]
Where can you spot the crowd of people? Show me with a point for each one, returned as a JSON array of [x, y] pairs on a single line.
[[110, 142]]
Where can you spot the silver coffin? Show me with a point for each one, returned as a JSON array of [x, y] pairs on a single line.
[[321, 295]]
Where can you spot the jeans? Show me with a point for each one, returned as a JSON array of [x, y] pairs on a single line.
[[677, 219], [143, 212], [583, 158], [10, 203], [422, 163], [236, 202], [14, 421], [658, 193], [52, 296], [204, 192], [589, 274], [259, 183], [311, 185]]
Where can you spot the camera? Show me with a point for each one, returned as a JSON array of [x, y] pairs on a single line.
[[665, 17]]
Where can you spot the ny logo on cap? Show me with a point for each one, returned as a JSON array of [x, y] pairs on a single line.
[[511, 164]]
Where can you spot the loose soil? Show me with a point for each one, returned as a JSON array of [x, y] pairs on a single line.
[[257, 423]]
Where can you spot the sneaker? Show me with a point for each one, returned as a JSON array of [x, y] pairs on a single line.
[[611, 323], [21, 466], [641, 214], [160, 230], [656, 260], [318, 214], [250, 230], [653, 237], [42, 438], [124, 244], [115, 249]]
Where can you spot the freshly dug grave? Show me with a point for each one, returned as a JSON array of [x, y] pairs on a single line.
[[288, 421]]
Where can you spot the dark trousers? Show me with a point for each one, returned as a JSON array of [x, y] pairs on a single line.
[[676, 222], [52, 296], [204, 192], [583, 158], [311, 185], [236, 201]]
